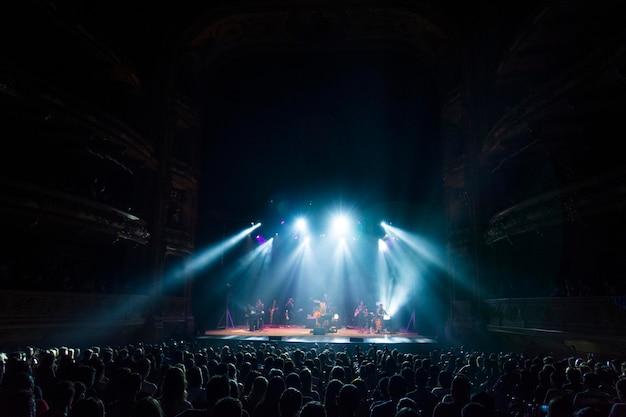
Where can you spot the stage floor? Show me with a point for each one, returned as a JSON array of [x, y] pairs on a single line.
[[302, 334]]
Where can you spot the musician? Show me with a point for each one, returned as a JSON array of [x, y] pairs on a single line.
[[379, 317], [260, 312], [360, 315], [251, 317], [273, 309], [325, 304], [322, 310], [289, 310]]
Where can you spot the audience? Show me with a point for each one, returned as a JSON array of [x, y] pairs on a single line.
[[268, 380]]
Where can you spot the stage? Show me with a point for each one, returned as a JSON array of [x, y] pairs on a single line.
[[403, 339]]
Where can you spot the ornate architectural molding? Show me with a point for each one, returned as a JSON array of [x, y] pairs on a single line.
[[54, 207], [573, 204]]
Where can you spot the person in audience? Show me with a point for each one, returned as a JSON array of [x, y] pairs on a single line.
[[593, 396], [407, 402], [228, 407], [423, 396], [618, 409], [444, 381], [396, 389], [313, 409], [217, 388], [330, 397], [269, 406], [290, 402], [19, 403], [143, 367], [87, 407], [257, 393], [128, 390], [173, 396], [407, 412], [59, 398], [147, 407], [195, 390], [349, 401], [507, 385], [574, 380], [474, 409], [306, 380], [460, 392]]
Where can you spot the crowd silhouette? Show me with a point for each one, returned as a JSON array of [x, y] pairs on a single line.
[[262, 379]]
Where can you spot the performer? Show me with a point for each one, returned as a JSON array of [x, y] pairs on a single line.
[[260, 312], [321, 311], [273, 309], [325, 304], [380, 315], [289, 310], [360, 316], [251, 316]]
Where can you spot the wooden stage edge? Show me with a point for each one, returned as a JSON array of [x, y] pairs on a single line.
[[305, 335]]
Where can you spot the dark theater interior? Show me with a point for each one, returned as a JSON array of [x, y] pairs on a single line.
[[157, 156]]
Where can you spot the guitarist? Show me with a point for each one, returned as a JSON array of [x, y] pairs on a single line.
[[273, 308]]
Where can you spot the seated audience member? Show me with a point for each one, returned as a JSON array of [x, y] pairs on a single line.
[[560, 407], [444, 380], [407, 412], [173, 396], [396, 390], [195, 390], [87, 407], [290, 402], [147, 407], [59, 398], [313, 409], [143, 368], [619, 408], [460, 391], [592, 396], [19, 403], [422, 395], [216, 389], [228, 407], [406, 402], [589, 412], [474, 409]]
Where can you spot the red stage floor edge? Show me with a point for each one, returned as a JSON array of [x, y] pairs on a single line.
[[301, 334]]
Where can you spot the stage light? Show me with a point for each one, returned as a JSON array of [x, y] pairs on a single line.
[[300, 224], [382, 246], [341, 225]]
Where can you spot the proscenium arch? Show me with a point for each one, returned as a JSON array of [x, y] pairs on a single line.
[[220, 38], [224, 33]]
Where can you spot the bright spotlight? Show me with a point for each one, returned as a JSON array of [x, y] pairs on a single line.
[[382, 245], [341, 225], [300, 224]]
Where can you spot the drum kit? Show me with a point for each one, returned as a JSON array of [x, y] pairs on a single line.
[[376, 323]]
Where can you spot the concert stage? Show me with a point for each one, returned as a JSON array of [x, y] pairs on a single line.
[[403, 339]]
